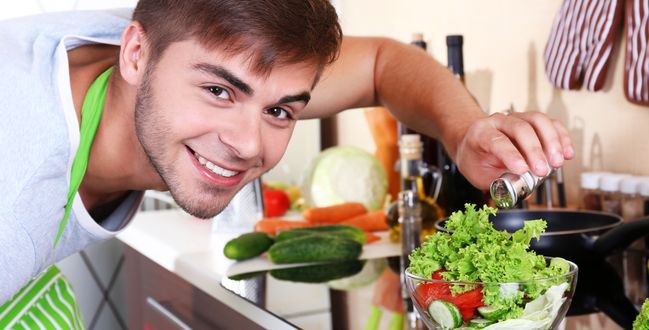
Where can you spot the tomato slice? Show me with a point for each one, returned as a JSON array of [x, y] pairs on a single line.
[[425, 293], [467, 313], [469, 299], [438, 275]]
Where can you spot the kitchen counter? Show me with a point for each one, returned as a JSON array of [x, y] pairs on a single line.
[[182, 245], [186, 246]]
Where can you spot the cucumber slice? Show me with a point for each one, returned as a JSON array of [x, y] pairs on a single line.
[[446, 314], [491, 313], [480, 323]]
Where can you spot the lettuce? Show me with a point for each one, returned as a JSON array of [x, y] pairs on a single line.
[[473, 251], [642, 321]]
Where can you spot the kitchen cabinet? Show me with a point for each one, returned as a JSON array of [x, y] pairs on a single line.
[[159, 299]]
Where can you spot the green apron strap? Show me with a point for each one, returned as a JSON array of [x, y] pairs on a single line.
[[47, 301], [93, 107]]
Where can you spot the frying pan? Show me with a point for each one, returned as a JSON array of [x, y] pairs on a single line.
[[586, 238], [579, 236]]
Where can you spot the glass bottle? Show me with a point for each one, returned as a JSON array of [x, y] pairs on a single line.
[[644, 193], [456, 189], [431, 145], [413, 171], [611, 197], [632, 202], [410, 222], [591, 196]]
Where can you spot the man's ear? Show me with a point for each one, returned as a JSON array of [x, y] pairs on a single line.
[[132, 59]]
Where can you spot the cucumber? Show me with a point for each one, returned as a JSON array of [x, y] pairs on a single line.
[[247, 246], [446, 314], [318, 273], [491, 313], [480, 323], [343, 231], [311, 248]]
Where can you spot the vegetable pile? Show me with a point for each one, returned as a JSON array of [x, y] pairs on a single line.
[[474, 251]]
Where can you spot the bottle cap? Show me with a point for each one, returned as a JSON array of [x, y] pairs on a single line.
[[611, 182], [410, 146], [590, 180], [454, 40], [630, 185]]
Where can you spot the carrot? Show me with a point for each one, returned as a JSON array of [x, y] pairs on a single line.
[[371, 238], [273, 225], [372, 221], [383, 127], [333, 214]]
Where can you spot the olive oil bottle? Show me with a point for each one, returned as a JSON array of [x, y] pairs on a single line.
[[413, 173]]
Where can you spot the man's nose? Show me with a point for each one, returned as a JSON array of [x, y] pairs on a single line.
[[243, 137]]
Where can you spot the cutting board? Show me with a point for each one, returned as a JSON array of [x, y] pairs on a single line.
[[380, 249]]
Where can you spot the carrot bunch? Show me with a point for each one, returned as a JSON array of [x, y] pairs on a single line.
[[353, 214]]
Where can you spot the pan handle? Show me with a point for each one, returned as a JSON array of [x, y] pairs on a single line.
[[621, 236]]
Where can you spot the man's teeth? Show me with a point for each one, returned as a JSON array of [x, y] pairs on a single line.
[[215, 169]]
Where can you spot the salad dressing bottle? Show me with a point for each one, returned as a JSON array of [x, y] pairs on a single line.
[[413, 172]]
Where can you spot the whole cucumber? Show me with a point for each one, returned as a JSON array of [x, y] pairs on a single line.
[[247, 246], [319, 273], [311, 248], [344, 231]]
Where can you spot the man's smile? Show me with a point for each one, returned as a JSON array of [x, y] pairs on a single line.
[[216, 174], [214, 168]]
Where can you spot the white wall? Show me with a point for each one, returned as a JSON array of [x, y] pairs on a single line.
[[503, 45]]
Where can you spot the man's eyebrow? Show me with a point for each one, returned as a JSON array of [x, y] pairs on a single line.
[[223, 73], [302, 97]]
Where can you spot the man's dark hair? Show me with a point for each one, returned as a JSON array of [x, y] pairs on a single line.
[[272, 32]]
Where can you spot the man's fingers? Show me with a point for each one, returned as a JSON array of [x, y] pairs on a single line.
[[502, 148], [522, 135], [564, 138], [547, 132]]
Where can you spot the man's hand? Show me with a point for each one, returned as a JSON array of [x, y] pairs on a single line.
[[519, 142]]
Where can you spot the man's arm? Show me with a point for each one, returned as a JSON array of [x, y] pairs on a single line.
[[428, 98]]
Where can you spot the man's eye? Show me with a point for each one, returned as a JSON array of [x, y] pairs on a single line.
[[279, 113], [219, 92]]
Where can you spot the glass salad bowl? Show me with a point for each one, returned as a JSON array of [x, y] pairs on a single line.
[[534, 304]]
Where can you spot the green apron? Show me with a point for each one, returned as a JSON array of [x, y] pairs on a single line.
[[47, 301]]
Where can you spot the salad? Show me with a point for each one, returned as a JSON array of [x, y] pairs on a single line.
[[642, 321], [485, 258]]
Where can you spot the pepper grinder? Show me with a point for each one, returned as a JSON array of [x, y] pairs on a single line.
[[510, 188]]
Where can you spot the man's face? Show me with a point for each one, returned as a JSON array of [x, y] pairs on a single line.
[[209, 125]]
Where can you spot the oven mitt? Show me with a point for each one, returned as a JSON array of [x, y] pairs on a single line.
[[580, 43], [636, 65]]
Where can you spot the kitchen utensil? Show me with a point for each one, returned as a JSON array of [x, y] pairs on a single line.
[[574, 235]]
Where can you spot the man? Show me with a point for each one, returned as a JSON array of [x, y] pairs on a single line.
[[202, 98]]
